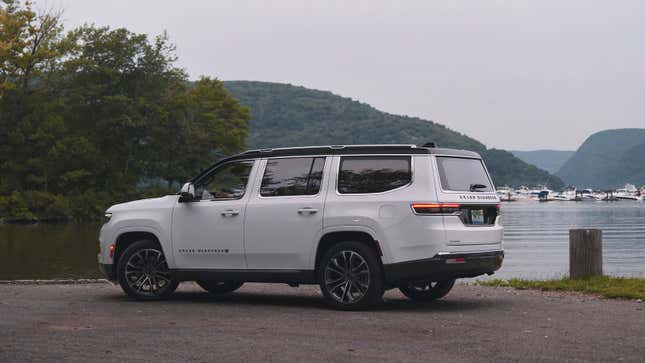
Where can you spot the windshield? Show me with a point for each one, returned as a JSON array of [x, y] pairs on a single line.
[[463, 174]]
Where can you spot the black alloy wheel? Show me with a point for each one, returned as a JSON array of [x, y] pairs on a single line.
[[350, 276], [143, 272], [427, 290]]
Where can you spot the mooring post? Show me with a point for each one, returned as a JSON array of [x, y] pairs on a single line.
[[585, 253]]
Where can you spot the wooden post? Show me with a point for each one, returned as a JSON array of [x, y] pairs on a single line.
[[585, 253]]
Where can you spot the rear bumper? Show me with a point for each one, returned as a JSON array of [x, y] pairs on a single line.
[[444, 267], [108, 271]]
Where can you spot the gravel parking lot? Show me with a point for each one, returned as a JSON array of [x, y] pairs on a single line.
[[96, 322]]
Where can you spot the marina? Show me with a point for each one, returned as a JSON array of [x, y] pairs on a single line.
[[571, 194]]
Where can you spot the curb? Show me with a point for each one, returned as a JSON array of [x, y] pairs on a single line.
[[54, 282]]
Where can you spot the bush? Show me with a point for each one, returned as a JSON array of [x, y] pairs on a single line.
[[14, 207], [47, 206]]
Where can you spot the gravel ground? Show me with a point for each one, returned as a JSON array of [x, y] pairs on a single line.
[[95, 322]]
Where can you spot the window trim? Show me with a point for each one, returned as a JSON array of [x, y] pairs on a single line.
[[246, 187], [340, 161], [264, 167], [448, 191]]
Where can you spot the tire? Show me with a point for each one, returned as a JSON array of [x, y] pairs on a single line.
[[358, 289], [427, 290], [219, 287], [143, 273]]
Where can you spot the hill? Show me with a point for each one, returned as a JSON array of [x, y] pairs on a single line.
[[608, 159], [287, 115], [549, 160]]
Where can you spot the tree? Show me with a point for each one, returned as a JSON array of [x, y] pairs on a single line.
[[88, 118], [30, 44]]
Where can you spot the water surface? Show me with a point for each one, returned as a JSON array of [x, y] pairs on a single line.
[[536, 242], [536, 237]]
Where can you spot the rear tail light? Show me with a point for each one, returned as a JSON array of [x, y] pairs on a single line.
[[112, 250], [435, 208]]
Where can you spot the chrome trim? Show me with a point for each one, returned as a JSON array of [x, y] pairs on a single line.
[[469, 252]]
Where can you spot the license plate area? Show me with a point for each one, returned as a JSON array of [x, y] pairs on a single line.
[[478, 215]]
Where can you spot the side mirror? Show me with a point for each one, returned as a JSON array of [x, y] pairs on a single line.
[[187, 193]]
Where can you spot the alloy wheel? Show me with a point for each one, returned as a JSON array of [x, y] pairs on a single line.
[[146, 272], [347, 277], [423, 286]]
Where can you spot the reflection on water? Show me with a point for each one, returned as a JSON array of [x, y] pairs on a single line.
[[536, 241], [48, 251]]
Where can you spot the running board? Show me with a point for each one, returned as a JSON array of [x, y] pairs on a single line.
[[278, 276]]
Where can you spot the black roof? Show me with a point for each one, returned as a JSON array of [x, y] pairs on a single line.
[[342, 150], [352, 150]]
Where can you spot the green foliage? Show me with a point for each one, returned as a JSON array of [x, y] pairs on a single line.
[[54, 207], [611, 287], [608, 159], [85, 116], [13, 206], [286, 115]]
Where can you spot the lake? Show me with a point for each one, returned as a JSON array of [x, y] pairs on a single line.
[[536, 237], [536, 241]]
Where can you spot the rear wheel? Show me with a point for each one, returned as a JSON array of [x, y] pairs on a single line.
[[219, 287], [350, 276], [427, 290], [143, 273]]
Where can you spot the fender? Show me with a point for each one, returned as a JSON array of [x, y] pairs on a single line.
[[352, 228], [163, 239]]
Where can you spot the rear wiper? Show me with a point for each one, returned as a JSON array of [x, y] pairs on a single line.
[[475, 187]]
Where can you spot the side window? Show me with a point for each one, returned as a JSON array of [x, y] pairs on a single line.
[[292, 176], [373, 174], [227, 182]]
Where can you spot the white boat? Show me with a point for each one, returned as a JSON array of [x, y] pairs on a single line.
[[506, 194], [589, 194], [542, 194], [561, 197], [523, 193], [569, 194], [629, 192]]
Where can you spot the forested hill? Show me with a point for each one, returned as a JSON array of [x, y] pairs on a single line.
[[287, 115], [608, 159]]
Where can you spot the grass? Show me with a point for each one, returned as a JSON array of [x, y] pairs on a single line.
[[611, 287]]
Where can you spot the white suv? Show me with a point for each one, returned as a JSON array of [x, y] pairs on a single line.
[[356, 220]]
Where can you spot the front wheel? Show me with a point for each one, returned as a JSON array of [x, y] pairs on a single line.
[[427, 290], [219, 287], [350, 276], [143, 273]]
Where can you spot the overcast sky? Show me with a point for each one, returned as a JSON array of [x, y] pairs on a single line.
[[512, 74]]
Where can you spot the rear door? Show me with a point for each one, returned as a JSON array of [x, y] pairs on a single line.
[[284, 217], [466, 182]]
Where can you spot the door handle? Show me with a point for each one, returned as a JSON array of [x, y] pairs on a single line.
[[230, 213], [307, 210]]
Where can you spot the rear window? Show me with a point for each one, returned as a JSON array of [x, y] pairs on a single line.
[[373, 174], [292, 176], [463, 174]]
